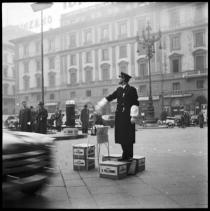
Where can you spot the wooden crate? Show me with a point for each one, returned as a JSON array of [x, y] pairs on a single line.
[[83, 151], [140, 163], [83, 164], [112, 157], [113, 169]]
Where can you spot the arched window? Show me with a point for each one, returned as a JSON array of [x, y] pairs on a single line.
[[175, 63], [123, 66], [88, 74], [38, 80], [5, 89], [26, 82], [105, 71]]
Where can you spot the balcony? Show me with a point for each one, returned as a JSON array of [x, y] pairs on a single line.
[[177, 94], [195, 73]]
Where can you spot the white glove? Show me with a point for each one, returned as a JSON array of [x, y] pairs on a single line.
[[134, 112], [100, 105], [28, 123]]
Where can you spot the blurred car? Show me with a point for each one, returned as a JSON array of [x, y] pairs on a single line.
[[108, 120], [170, 121], [194, 120], [27, 161]]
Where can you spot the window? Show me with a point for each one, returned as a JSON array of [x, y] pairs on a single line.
[[104, 92], [72, 40], [88, 93], [88, 75], [200, 84], [5, 87], [51, 62], [200, 62], [26, 82], [88, 36], [199, 39], [51, 44], [38, 82], [72, 59], [88, 57], [174, 18], [142, 89], [175, 61], [26, 67], [38, 97], [13, 89], [105, 73], [175, 42], [13, 71], [72, 95], [105, 54], [122, 29], [38, 47], [25, 50], [176, 86], [26, 98], [51, 79], [38, 65], [141, 24], [199, 13], [123, 66], [52, 96], [5, 71], [73, 77], [104, 33], [123, 51], [142, 67]]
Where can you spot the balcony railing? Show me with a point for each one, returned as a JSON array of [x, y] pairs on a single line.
[[195, 73]]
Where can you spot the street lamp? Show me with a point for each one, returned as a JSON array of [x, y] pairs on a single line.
[[40, 7], [147, 42]]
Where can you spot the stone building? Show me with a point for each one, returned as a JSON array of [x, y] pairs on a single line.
[[84, 56]]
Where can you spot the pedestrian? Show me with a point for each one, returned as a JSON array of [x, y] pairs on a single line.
[[33, 119], [25, 118], [126, 115], [84, 117], [58, 119], [42, 119], [201, 119]]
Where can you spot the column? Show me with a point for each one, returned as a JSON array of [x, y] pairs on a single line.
[[97, 68], [80, 67], [132, 59], [114, 74]]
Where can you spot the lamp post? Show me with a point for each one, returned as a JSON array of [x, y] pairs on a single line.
[[147, 42], [40, 7]]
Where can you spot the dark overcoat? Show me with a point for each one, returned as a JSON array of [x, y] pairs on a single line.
[[42, 121], [124, 129], [85, 118], [24, 118]]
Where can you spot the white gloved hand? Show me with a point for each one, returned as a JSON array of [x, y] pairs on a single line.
[[100, 105], [28, 123], [134, 112]]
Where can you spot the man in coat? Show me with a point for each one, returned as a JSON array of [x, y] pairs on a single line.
[[42, 119], [58, 119], [25, 118], [201, 119], [84, 117], [126, 115]]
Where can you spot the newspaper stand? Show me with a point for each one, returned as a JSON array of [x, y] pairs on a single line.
[[102, 138]]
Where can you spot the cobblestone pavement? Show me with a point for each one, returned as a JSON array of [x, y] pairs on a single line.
[[175, 175]]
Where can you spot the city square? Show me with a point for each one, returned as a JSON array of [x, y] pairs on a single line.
[[133, 75]]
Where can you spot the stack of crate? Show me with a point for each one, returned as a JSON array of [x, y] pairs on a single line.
[[110, 167], [83, 156]]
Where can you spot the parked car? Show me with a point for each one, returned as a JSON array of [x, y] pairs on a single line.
[[27, 161], [177, 120], [12, 122], [108, 120], [170, 121], [194, 120]]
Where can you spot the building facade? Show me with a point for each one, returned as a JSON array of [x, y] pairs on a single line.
[[83, 58]]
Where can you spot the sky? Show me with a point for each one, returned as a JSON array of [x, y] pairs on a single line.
[[22, 15]]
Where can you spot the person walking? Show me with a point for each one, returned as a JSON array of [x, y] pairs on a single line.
[[201, 119], [58, 119], [84, 117], [126, 115], [25, 118], [42, 119]]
